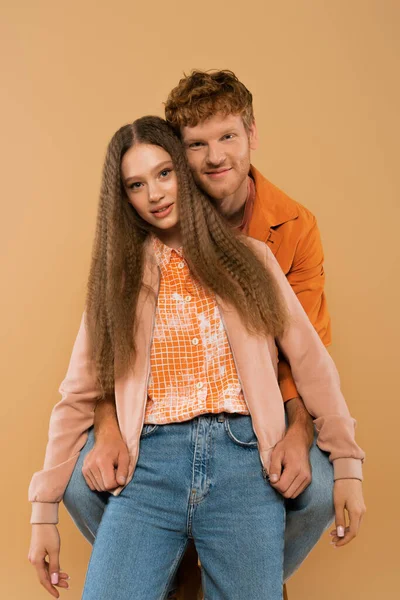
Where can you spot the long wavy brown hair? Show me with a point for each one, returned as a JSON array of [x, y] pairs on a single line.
[[217, 256]]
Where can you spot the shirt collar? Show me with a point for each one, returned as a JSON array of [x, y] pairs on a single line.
[[163, 253]]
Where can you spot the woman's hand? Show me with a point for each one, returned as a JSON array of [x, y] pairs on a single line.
[[347, 496], [45, 541]]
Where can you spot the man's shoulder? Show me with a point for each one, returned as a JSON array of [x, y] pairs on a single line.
[[274, 207]]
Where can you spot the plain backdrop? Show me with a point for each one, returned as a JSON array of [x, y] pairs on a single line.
[[325, 80]]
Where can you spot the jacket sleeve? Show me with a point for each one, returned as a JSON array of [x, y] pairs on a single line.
[[70, 420], [317, 380], [307, 278]]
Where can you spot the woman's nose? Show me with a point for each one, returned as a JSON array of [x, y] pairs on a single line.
[[155, 193]]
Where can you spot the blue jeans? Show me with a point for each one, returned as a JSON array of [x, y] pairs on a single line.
[[307, 517], [201, 480]]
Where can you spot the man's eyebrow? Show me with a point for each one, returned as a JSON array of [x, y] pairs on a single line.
[[192, 140], [158, 167]]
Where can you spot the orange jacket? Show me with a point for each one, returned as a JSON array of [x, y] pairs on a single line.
[[291, 231]]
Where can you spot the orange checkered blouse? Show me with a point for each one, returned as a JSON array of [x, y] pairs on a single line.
[[192, 367]]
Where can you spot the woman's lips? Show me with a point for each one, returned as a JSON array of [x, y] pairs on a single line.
[[160, 214]]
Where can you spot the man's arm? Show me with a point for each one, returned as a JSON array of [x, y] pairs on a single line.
[[307, 279], [106, 465], [105, 419]]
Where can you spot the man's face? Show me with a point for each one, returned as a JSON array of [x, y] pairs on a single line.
[[218, 151]]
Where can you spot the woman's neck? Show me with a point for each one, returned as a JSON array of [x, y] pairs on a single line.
[[170, 237]]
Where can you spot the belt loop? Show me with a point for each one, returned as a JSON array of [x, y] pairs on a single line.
[[221, 417]]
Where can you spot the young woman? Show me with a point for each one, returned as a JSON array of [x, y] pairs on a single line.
[[181, 324]]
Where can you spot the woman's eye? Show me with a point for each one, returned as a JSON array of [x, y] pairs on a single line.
[[165, 172], [135, 186]]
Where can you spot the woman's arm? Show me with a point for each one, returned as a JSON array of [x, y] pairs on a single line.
[[317, 380], [70, 420]]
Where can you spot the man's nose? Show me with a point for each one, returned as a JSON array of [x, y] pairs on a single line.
[[215, 155]]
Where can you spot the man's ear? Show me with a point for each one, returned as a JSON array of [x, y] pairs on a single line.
[[253, 136]]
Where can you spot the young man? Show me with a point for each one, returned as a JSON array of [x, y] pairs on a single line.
[[214, 115]]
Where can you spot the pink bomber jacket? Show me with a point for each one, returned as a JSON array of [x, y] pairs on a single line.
[[255, 357]]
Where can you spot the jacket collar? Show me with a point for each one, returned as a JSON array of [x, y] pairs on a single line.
[[272, 207]]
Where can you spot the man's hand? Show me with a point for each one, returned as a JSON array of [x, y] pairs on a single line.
[[106, 465], [290, 469]]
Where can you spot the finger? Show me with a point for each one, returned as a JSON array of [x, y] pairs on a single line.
[[54, 565], [297, 481], [86, 475], [275, 469], [44, 578], [109, 475], [303, 485], [286, 480], [98, 478], [352, 530], [123, 467], [92, 480], [63, 575], [340, 520], [335, 539]]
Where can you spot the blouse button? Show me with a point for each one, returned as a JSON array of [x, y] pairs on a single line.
[[195, 341], [199, 385], [181, 264]]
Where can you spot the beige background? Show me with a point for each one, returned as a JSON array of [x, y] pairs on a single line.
[[325, 81]]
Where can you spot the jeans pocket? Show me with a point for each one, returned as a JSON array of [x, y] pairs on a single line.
[[240, 430], [148, 430]]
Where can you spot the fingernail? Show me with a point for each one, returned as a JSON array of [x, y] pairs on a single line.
[[340, 531], [121, 479], [54, 578], [273, 478]]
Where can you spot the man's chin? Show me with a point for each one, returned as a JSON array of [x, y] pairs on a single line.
[[219, 192]]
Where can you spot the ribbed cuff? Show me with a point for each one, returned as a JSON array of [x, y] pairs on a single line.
[[44, 512], [347, 468]]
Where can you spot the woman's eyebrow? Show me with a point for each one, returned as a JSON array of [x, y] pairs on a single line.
[[158, 167]]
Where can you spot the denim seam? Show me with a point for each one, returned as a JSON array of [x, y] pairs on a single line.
[[235, 440], [149, 432], [173, 569], [190, 502]]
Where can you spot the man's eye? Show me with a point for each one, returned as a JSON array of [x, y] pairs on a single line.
[[228, 136], [196, 145]]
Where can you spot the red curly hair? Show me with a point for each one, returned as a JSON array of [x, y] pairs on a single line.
[[202, 94]]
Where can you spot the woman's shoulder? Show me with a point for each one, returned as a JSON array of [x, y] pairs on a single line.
[[259, 248]]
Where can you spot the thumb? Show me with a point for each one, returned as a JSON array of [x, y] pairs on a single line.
[[54, 565], [123, 466], [275, 469], [340, 520]]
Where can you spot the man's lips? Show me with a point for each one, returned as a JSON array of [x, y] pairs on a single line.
[[217, 173]]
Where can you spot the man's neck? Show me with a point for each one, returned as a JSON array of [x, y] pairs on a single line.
[[233, 207]]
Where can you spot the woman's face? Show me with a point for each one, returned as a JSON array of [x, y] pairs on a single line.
[[151, 185]]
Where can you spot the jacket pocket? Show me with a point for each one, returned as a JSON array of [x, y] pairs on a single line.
[[240, 430]]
